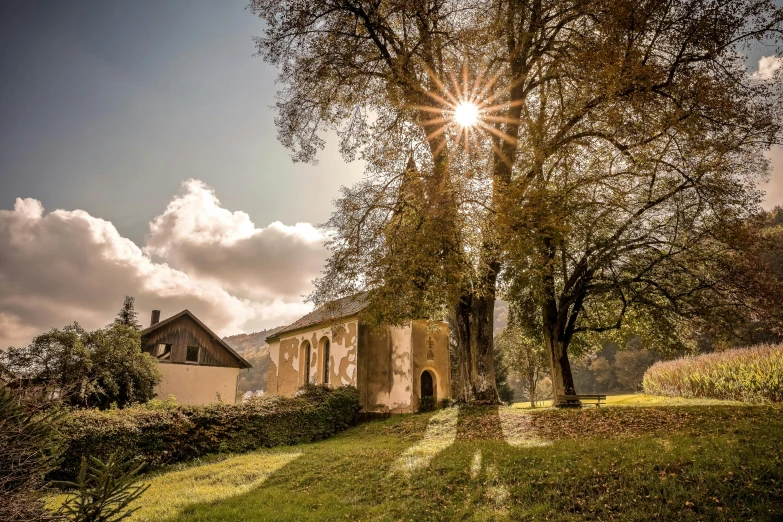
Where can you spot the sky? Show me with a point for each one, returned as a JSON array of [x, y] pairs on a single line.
[[138, 156]]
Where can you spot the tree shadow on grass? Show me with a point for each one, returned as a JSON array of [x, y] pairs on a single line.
[[422, 467], [330, 480], [485, 464]]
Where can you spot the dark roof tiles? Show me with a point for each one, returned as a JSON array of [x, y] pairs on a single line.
[[331, 311]]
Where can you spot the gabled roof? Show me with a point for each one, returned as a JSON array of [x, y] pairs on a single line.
[[215, 337], [331, 311]]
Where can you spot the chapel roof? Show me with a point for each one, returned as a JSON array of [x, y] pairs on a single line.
[[331, 311]]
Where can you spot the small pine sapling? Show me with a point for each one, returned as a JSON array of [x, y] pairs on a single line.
[[103, 490]]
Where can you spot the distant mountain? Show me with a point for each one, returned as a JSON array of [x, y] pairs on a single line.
[[253, 347]]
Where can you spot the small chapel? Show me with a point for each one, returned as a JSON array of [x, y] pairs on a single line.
[[393, 367]]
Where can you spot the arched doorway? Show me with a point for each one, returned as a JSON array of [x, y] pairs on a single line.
[[427, 384]]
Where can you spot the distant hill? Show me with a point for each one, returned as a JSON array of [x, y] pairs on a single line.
[[253, 347]]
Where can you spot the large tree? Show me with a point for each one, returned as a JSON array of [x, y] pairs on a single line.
[[633, 210], [606, 129]]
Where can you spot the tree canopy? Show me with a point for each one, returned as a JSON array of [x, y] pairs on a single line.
[[609, 182], [94, 369]]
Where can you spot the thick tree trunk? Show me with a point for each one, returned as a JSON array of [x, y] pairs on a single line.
[[562, 379], [473, 316]]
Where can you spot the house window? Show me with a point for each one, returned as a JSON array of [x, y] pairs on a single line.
[[162, 352], [326, 360], [192, 354], [306, 349]]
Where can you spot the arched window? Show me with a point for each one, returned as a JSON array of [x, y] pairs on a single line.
[[427, 384], [306, 348], [325, 344]]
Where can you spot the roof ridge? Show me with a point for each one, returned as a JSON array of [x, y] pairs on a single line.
[[328, 311]]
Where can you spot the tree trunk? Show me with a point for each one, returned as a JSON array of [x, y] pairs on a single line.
[[562, 379], [532, 382], [473, 316]]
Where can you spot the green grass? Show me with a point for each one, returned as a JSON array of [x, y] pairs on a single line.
[[660, 462], [638, 399]]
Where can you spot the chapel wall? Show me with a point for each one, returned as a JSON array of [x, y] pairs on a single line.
[[430, 342], [288, 356]]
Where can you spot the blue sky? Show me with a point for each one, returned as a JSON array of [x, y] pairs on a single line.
[[108, 106]]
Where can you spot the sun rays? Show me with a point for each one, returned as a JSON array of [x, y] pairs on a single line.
[[466, 112]]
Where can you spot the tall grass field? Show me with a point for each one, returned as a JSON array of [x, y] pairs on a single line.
[[750, 375]]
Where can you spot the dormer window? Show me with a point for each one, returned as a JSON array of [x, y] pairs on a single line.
[[192, 354], [162, 352]]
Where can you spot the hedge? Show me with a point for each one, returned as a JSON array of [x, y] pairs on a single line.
[[750, 375], [163, 433]]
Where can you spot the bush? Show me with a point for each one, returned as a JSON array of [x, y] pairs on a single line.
[[162, 433], [426, 404], [29, 447], [751, 375]]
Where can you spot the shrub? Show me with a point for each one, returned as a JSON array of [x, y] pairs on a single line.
[[29, 447], [751, 375], [161, 433], [426, 404]]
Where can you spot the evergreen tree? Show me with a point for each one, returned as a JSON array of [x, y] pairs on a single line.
[[127, 315]]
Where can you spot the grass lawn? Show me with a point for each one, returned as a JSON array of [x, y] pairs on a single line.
[[638, 399], [650, 461]]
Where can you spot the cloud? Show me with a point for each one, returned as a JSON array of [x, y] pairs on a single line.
[[767, 67], [65, 266], [197, 235]]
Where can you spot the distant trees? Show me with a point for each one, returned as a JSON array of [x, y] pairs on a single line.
[[523, 351], [609, 180], [612, 370], [91, 369]]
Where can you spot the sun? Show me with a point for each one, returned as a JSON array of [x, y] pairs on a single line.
[[466, 114]]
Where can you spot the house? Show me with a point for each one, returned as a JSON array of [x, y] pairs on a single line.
[[392, 367], [198, 366]]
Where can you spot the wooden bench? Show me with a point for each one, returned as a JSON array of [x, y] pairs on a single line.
[[569, 400]]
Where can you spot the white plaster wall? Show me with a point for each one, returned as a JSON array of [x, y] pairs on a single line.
[[401, 365], [274, 355], [342, 352], [193, 384]]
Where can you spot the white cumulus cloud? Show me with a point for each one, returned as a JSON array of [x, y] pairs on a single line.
[[65, 266], [197, 235], [767, 67]]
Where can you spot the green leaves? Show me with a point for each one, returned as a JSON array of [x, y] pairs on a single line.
[[103, 491], [30, 446], [159, 434]]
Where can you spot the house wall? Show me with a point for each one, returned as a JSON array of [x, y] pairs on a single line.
[[431, 336], [288, 358], [194, 384]]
